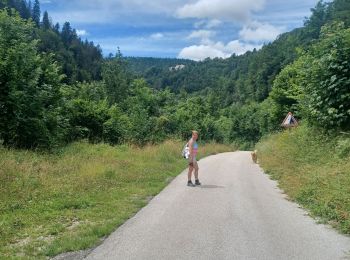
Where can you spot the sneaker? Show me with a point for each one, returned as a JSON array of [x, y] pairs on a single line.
[[197, 182], [190, 184]]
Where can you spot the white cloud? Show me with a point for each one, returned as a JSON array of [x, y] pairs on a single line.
[[258, 32], [207, 24], [200, 52], [213, 23], [239, 47], [110, 11], [214, 50], [200, 24], [203, 35], [157, 36], [82, 32], [237, 10], [83, 16]]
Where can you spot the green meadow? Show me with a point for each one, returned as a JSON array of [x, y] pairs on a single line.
[[71, 198]]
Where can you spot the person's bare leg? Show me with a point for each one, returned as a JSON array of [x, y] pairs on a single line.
[[190, 170], [196, 169]]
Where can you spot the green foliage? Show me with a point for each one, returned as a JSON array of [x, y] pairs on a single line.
[[318, 19], [326, 79], [339, 11], [46, 24], [287, 92], [245, 128], [22, 6], [115, 129], [29, 85], [80, 60], [115, 78], [86, 110], [36, 12], [86, 119]]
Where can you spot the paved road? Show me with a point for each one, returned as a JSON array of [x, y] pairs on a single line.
[[238, 213]]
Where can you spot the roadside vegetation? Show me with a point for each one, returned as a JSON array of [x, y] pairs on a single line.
[[69, 199], [312, 162], [313, 168]]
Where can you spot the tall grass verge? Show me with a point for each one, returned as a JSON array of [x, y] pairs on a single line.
[[68, 200], [313, 168]]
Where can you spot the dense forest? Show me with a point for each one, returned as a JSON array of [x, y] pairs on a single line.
[[56, 88]]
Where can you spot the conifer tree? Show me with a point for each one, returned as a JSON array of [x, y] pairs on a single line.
[[66, 33], [36, 12], [57, 28], [23, 9], [46, 21]]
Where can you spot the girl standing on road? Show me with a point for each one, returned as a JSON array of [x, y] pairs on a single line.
[[192, 160]]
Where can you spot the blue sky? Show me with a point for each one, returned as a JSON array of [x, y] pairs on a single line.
[[193, 29]]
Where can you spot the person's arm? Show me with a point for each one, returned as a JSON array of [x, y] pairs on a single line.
[[190, 146]]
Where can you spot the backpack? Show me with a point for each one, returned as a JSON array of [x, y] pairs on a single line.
[[186, 151]]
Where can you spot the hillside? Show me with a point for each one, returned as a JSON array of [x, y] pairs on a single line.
[[142, 65], [248, 77], [156, 70], [238, 72]]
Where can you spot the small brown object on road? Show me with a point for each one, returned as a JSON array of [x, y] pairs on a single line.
[[254, 156]]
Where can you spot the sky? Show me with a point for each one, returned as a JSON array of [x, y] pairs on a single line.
[[192, 29]]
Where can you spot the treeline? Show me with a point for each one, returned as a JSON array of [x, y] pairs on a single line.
[[47, 100], [156, 71], [80, 60]]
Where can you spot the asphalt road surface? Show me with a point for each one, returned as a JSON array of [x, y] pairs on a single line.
[[237, 213]]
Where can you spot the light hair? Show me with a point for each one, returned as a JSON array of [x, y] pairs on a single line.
[[194, 132]]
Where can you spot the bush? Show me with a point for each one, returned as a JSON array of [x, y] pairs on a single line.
[[115, 129], [29, 87], [327, 78]]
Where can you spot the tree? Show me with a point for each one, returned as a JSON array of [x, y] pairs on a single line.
[[287, 92], [36, 12], [67, 33], [24, 9], [46, 24], [318, 18], [116, 79], [29, 87], [339, 11], [57, 28], [326, 78], [115, 129]]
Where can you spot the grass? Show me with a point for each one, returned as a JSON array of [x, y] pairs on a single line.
[[313, 169], [70, 199]]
